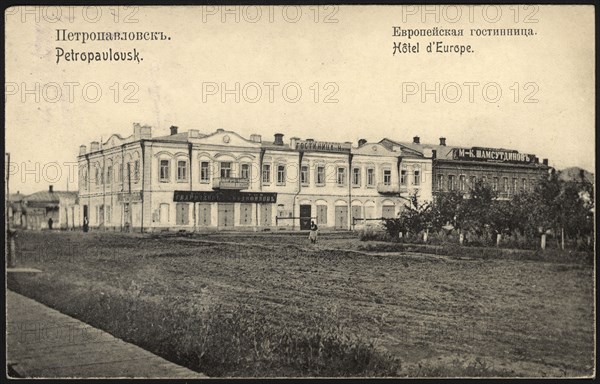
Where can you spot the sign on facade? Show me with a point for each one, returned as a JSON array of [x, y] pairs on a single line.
[[323, 146], [492, 155], [224, 197]]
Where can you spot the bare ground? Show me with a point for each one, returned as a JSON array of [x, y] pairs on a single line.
[[530, 318]]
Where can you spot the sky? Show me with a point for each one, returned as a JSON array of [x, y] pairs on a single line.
[[327, 73]]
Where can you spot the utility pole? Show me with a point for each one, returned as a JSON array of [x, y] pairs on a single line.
[[10, 254]]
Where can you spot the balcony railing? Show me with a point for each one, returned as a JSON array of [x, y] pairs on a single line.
[[388, 188], [236, 183]]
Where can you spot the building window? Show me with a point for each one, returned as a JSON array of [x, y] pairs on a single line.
[[83, 182], [226, 169], [320, 175], [387, 177], [531, 185], [108, 213], [451, 183], [341, 176], [204, 174], [462, 183], [417, 177], [281, 174], [505, 184], [97, 177], [181, 170], [524, 187], [495, 185], [484, 180], [120, 171], [266, 173], [472, 182], [403, 177], [304, 175], [515, 186], [245, 171], [440, 182], [109, 174], [356, 177], [370, 177], [164, 170], [136, 170]]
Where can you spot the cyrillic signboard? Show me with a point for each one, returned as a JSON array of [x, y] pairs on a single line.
[[224, 196], [322, 146], [492, 155], [127, 197]]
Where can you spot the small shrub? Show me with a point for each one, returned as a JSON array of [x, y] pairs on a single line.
[[370, 234]]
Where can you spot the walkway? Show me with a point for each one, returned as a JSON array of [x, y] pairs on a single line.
[[42, 342]]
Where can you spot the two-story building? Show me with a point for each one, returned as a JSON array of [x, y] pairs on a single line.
[[194, 181], [457, 168]]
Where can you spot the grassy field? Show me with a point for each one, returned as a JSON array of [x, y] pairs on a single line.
[[265, 304]]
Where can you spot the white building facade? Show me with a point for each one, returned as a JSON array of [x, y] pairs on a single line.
[[219, 181]]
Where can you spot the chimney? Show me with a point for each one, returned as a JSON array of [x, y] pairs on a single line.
[[362, 142], [50, 189], [545, 161], [310, 140], [173, 130], [416, 140], [82, 149], [146, 132], [293, 141], [256, 138], [94, 146], [278, 139], [443, 141]]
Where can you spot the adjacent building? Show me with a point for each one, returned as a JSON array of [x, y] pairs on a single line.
[[16, 216], [60, 206], [457, 168]]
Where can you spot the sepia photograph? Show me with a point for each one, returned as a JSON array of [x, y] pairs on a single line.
[[299, 191]]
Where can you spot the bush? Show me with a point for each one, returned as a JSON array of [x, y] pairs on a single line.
[[370, 234]]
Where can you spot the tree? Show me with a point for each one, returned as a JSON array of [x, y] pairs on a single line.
[[444, 209], [414, 218]]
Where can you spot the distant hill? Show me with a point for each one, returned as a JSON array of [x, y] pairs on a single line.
[[574, 174]]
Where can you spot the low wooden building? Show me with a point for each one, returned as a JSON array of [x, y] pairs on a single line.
[[60, 206]]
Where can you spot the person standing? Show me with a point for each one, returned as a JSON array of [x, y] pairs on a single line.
[[85, 224], [50, 221], [313, 232]]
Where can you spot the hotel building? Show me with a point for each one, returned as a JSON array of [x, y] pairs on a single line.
[[195, 181]]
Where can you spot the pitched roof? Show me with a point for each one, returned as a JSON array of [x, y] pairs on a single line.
[[574, 174], [442, 151], [15, 197], [50, 197], [178, 137], [272, 145]]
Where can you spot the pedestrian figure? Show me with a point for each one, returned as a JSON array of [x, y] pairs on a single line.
[[85, 224], [50, 223], [313, 232]]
